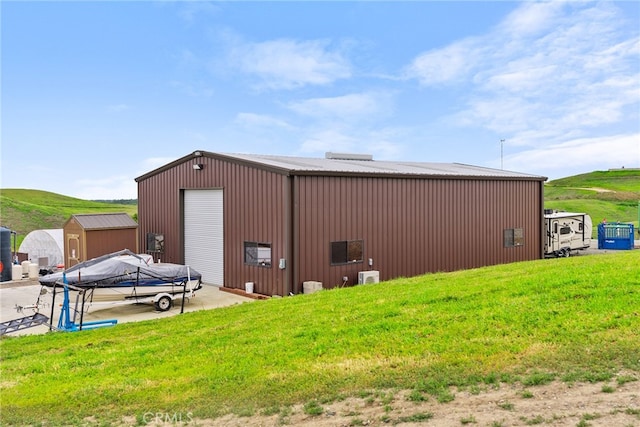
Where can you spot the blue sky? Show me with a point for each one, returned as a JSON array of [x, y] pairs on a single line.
[[95, 94]]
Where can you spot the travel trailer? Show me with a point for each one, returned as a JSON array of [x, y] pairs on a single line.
[[566, 232]]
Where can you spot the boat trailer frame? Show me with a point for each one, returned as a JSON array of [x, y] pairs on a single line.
[[65, 322]]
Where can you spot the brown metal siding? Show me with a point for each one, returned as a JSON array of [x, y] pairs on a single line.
[[409, 225], [254, 210], [88, 244], [102, 242], [412, 226]]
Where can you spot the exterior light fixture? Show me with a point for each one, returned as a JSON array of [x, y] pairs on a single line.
[[198, 166]]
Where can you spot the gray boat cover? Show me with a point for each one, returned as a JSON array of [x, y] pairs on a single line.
[[123, 268]]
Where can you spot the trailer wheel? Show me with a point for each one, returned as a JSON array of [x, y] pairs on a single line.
[[164, 303]]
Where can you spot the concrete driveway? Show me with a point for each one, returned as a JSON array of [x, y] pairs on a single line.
[[25, 293]]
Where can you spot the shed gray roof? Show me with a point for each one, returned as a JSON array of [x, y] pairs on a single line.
[[104, 221], [364, 166]]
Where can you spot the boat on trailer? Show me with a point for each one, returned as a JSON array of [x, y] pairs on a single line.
[[129, 277]]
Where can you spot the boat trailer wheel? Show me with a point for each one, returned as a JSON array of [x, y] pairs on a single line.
[[164, 303]]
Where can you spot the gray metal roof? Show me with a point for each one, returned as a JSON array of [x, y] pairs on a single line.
[[335, 164], [306, 165], [104, 221]]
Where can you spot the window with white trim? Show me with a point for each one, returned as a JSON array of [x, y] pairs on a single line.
[[258, 254]]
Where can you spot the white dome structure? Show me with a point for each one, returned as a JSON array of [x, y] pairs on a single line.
[[44, 243]]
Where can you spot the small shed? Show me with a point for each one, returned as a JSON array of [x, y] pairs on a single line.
[[88, 236], [44, 247]]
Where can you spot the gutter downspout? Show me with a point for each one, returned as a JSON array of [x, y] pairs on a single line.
[[290, 239]]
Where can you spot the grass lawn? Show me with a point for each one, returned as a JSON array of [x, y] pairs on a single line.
[[573, 319]]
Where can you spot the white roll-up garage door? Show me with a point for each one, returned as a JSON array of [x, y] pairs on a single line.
[[204, 234]]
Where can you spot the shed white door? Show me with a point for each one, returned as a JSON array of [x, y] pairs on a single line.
[[204, 234]]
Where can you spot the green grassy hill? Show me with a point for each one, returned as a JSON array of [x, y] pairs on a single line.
[[26, 210], [611, 195], [570, 319], [620, 180]]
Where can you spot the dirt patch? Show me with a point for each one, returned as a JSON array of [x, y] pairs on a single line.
[[596, 189], [556, 404]]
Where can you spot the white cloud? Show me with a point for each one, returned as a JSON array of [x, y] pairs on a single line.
[[446, 65], [151, 163], [352, 106], [328, 140], [107, 188], [290, 64], [381, 143], [531, 18], [192, 135], [260, 120], [384, 145], [550, 72], [190, 10], [585, 154], [113, 187], [519, 78]]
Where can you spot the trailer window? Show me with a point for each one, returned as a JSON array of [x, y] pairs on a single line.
[[513, 237], [346, 251], [258, 254], [565, 230]]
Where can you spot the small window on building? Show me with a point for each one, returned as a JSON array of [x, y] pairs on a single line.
[[513, 237], [258, 254], [347, 251]]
